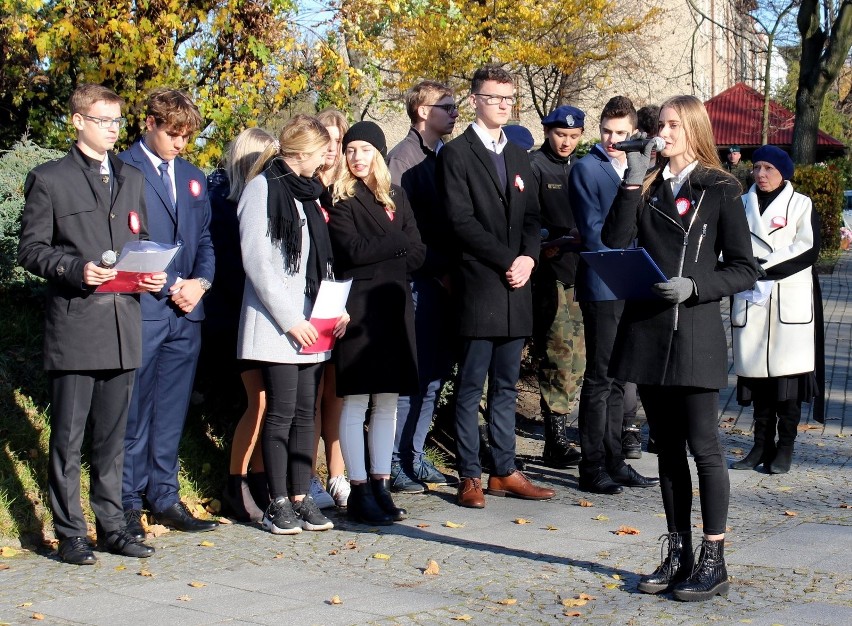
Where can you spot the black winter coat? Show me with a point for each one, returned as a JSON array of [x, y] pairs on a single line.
[[492, 225], [659, 343], [378, 353]]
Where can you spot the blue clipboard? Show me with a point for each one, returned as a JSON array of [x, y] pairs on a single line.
[[629, 274]]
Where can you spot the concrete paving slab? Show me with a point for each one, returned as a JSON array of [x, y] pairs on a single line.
[[824, 547]]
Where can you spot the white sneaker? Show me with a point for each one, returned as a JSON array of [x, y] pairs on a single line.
[[320, 495], [338, 488]]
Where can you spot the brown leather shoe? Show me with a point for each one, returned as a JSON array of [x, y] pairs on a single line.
[[518, 486], [470, 493]]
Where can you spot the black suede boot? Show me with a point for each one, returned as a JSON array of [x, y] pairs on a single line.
[[789, 416], [238, 499], [363, 508], [381, 492], [710, 576], [558, 452], [675, 567], [259, 488], [763, 450]]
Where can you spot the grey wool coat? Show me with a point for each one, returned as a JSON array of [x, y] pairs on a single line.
[[274, 300]]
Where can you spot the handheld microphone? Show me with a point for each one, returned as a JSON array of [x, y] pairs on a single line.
[[108, 259], [638, 145]]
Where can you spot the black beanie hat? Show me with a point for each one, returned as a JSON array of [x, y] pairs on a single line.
[[777, 157], [369, 132]]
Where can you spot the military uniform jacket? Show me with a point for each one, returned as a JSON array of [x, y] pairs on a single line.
[[551, 176], [777, 338], [70, 219], [663, 344], [491, 226]]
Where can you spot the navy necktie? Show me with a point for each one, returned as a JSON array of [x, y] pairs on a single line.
[[167, 181]]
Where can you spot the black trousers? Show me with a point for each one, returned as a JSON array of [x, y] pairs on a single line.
[[500, 359], [101, 399], [601, 414], [681, 416], [288, 428]]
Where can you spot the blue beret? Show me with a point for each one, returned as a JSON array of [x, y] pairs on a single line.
[[565, 116], [777, 157], [519, 135]]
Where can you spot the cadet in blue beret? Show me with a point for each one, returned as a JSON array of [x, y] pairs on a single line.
[[557, 323]]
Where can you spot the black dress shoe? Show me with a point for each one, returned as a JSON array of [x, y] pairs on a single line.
[[178, 516], [133, 524], [123, 543], [629, 477], [600, 483], [77, 551]]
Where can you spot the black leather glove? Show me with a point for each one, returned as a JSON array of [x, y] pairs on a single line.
[[638, 163], [676, 290]]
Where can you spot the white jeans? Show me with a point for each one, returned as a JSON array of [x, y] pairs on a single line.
[[381, 434]]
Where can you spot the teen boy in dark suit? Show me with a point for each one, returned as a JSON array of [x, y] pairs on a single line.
[[178, 214], [77, 208], [493, 215]]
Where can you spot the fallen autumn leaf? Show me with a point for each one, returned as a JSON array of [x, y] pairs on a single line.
[[453, 525], [432, 568], [383, 557], [585, 503], [507, 601]]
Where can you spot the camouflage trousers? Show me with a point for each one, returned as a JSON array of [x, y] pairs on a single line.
[[559, 346]]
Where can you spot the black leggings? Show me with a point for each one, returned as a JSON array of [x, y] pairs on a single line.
[[680, 416], [288, 428]]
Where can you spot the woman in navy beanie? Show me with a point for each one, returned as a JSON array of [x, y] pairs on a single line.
[[777, 325]]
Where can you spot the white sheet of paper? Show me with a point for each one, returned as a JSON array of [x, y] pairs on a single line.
[[331, 299], [760, 294], [145, 256]]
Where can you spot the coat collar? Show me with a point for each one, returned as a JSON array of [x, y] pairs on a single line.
[[775, 217], [366, 199], [152, 177], [510, 157]]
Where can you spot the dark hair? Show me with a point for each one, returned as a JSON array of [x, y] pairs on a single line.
[[173, 109], [87, 94], [649, 119], [619, 107], [423, 92], [489, 72]]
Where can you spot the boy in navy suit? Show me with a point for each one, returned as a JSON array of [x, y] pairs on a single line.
[[77, 208], [179, 215]]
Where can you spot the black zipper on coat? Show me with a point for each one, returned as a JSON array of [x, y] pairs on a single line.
[[685, 242]]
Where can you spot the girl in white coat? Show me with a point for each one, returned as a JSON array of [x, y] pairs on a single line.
[[773, 324]]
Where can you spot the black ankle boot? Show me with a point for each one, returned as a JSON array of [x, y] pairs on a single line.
[[259, 488], [763, 450], [381, 492], [238, 500], [558, 453], [675, 567], [783, 460], [710, 576], [363, 508]]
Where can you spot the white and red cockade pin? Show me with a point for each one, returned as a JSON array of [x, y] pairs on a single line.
[[682, 205], [133, 222], [779, 221], [195, 188], [519, 182]]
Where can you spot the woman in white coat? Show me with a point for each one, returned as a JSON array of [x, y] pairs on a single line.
[[774, 323]]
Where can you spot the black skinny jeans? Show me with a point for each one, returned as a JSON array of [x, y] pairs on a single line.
[[288, 428], [680, 416]]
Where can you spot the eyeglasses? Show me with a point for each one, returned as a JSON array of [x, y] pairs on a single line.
[[448, 108], [492, 99], [106, 122]]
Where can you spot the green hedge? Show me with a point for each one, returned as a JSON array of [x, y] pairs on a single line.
[[14, 166], [823, 184]]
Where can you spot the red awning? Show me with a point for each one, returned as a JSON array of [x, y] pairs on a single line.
[[736, 116]]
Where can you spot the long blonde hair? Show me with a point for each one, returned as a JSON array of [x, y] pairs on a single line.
[[302, 134], [698, 134], [243, 153], [378, 181], [333, 117]]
